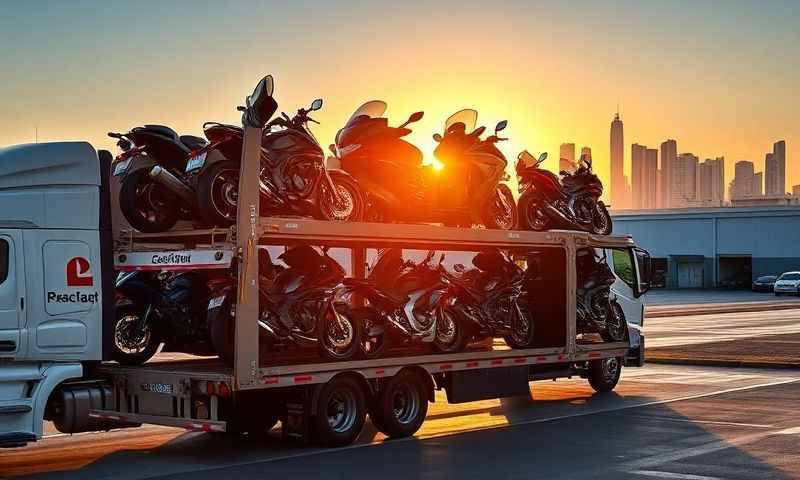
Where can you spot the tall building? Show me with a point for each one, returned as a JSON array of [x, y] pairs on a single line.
[[566, 157], [746, 183], [711, 182], [775, 170], [683, 188], [644, 169], [669, 155], [586, 152], [619, 185]]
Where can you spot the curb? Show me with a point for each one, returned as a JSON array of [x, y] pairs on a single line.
[[676, 311], [716, 362]]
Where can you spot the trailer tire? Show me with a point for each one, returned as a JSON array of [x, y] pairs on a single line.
[[340, 412], [401, 405], [604, 374]]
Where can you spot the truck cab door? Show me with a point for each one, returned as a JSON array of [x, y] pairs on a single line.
[[12, 288], [625, 287]]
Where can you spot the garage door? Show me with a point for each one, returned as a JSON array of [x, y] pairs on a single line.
[[690, 275]]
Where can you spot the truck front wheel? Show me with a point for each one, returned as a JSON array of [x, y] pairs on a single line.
[[604, 374], [401, 405], [340, 412]]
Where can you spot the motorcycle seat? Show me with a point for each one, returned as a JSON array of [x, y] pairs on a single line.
[[192, 142], [162, 130]]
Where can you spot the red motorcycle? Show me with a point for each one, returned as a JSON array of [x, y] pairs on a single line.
[[572, 202]]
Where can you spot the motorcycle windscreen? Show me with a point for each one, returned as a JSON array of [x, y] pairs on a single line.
[[467, 116]]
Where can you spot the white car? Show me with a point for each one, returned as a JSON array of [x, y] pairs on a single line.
[[788, 282]]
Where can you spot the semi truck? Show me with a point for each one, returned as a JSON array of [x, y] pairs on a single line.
[[60, 255]]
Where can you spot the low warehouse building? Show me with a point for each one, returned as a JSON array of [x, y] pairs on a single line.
[[715, 247]]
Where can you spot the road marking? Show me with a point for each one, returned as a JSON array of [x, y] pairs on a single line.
[[789, 431], [681, 476], [704, 422], [645, 462]]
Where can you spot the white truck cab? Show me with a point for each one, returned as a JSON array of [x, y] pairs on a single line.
[[54, 291]]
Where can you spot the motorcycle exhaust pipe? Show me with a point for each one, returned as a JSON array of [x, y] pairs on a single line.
[[174, 185], [560, 217]]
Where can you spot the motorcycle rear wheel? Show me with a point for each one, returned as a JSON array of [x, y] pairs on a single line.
[[218, 193], [501, 211], [146, 205], [531, 215]]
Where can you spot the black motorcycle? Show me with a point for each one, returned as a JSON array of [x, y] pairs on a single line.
[[410, 300], [462, 187], [155, 191], [488, 299], [572, 203], [296, 305], [293, 177], [597, 309], [152, 308]]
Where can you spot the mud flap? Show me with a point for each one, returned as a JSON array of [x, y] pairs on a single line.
[[485, 384]]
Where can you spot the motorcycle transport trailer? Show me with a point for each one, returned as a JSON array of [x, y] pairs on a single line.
[[53, 366]]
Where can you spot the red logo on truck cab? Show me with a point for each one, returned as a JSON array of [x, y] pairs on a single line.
[[78, 274]]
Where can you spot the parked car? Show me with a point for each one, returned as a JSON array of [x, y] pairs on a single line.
[[788, 282], [764, 283]]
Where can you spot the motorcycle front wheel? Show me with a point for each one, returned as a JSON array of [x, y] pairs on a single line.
[[146, 205], [501, 211], [450, 335], [132, 346], [601, 220], [218, 193], [615, 330], [350, 205], [531, 215], [522, 331], [340, 335]]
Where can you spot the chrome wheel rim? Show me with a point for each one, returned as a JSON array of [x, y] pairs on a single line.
[[225, 192], [504, 212], [520, 328], [614, 323], [341, 411], [600, 222], [339, 333], [122, 336], [343, 208], [446, 329]]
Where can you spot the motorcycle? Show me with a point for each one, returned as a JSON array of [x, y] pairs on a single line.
[[296, 305], [488, 299], [155, 308], [293, 178], [155, 192], [597, 310], [411, 300], [570, 203], [460, 188]]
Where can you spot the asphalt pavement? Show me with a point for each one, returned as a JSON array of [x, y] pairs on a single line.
[[661, 422]]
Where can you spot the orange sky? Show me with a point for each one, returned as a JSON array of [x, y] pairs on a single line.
[[718, 76]]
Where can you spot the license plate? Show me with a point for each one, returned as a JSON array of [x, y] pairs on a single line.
[[216, 302], [122, 167], [196, 163], [165, 388]]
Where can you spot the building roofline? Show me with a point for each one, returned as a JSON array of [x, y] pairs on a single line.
[[712, 212]]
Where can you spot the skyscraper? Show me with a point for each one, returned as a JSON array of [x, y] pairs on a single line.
[[566, 157], [684, 180], [669, 155], [746, 183], [650, 181], [711, 187], [775, 170], [618, 182], [586, 152]]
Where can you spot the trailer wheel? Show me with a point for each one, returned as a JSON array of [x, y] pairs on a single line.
[[604, 374], [401, 405], [340, 412]]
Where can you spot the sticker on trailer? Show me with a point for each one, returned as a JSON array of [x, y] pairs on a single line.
[[176, 260]]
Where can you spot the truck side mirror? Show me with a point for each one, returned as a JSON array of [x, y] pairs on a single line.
[[644, 265]]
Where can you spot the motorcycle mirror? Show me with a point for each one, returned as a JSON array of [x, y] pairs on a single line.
[[437, 137], [415, 117], [260, 104], [542, 157], [316, 105], [501, 125]]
